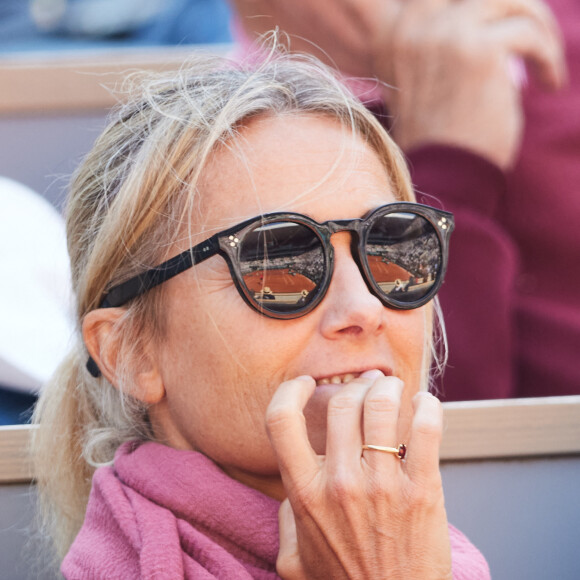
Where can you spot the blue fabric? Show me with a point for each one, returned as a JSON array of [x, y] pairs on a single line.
[[189, 22], [182, 22], [15, 407]]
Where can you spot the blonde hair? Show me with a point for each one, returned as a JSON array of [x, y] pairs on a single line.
[[125, 200]]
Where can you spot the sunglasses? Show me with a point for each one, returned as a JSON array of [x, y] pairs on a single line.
[[282, 263]]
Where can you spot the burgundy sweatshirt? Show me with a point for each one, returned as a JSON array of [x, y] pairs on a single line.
[[512, 294]]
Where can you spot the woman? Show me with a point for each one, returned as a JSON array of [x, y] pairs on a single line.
[[230, 359]]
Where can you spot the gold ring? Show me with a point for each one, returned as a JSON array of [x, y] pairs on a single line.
[[399, 451]]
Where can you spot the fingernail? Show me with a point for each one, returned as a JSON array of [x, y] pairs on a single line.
[[372, 374]]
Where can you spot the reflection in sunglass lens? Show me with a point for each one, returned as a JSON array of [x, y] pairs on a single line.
[[282, 264], [404, 256]]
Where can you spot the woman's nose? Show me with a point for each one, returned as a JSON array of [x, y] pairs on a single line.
[[349, 308]]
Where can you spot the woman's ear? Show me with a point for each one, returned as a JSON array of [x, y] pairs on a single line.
[[103, 338]]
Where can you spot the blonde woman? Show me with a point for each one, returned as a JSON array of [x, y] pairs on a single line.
[[207, 428]]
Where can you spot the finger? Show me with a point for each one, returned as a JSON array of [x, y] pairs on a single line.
[[381, 415], [344, 419], [286, 428], [288, 563], [426, 434], [547, 38], [522, 37], [533, 9]]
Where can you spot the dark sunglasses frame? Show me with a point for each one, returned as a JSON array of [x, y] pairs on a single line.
[[227, 243]]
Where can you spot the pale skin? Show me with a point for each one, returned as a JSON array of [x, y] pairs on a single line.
[[247, 391], [450, 63]]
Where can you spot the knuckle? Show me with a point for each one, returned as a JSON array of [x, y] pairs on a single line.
[[469, 51], [342, 403], [305, 503], [424, 496], [343, 488], [382, 403], [467, 46], [428, 428], [278, 417], [378, 492], [415, 498]]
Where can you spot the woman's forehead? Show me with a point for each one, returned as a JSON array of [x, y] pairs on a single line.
[[310, 164]]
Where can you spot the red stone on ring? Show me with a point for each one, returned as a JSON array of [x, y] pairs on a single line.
[[402, 451]]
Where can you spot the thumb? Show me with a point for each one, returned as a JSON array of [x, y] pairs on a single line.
[[288, 564]]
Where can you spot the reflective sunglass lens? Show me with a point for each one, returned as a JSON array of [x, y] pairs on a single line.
[[404, 256], [282, 264]]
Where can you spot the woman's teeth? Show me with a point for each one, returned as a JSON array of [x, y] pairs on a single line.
[[337, 379]]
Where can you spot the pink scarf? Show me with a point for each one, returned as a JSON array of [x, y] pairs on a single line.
[[168, 514]]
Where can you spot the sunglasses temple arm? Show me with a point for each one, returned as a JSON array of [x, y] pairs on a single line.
[[138, 285]]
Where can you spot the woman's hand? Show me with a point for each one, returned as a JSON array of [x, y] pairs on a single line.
[[355, 514], [454, 66]]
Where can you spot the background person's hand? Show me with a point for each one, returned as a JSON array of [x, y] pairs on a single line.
[[342, 33], [452, 66], [355, 515]]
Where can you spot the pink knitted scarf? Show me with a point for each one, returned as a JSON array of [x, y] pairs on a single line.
[[161, 513]]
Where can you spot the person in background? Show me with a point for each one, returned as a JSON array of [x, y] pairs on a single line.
[[35, 297], [491, 141]]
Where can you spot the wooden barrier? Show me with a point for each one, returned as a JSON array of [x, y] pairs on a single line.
[[15, 466], [511, 428], [477, 430], [55, 81]]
